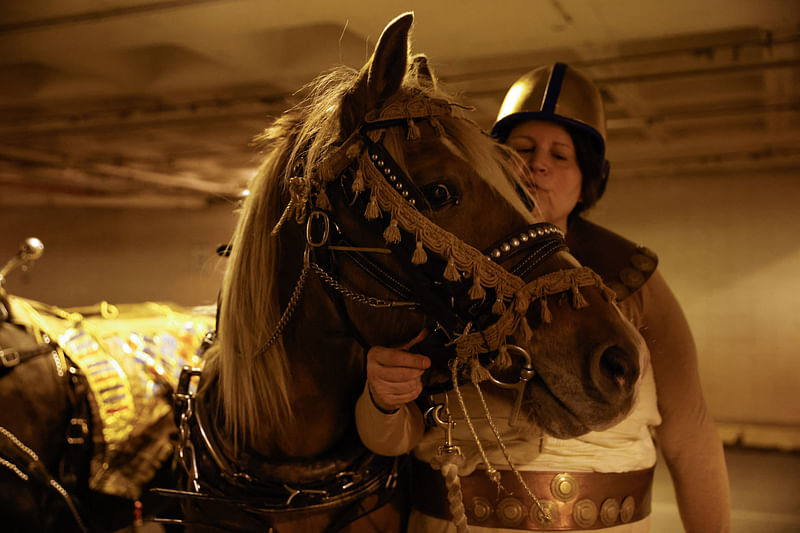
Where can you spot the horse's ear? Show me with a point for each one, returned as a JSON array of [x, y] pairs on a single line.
[[382, 76], [424, 72]]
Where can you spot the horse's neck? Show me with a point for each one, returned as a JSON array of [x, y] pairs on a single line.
[[326, 366]]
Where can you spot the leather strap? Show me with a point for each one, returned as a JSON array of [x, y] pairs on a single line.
[[575, 500]]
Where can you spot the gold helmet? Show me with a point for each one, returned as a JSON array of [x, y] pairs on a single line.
[[555, 93]]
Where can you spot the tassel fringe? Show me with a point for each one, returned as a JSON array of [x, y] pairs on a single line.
[[503, 359], [450, 271], [322, 201], [437, 126], [392, 233], [546, 315], [413, 131], [578, 301], [419, 257], [373, 211], [527, 333], [477, 372], [358, 182], [477, 292], [498, 307]]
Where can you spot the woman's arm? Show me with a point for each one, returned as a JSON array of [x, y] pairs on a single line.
[[387, 419], [687, 436]]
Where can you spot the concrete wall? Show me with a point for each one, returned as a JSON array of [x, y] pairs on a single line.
[[119, 255], [728, 246]]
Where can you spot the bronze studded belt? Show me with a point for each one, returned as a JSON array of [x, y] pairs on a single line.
[[574, 500]]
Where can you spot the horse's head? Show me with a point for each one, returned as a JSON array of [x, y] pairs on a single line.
[[408, 215]]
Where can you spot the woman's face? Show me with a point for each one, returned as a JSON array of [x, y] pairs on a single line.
[[555, 177]]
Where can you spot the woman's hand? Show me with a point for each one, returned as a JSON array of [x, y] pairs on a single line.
[[394, 375]]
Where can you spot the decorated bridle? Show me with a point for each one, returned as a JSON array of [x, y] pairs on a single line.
[[364, 166]]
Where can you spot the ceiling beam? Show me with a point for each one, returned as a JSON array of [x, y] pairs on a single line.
[[26, 157]]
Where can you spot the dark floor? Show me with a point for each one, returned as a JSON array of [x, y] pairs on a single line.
[[765, 493]]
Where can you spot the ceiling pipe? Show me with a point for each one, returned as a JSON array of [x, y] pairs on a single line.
[[93, 16], [767, 41], [152, 114], [162, 180]]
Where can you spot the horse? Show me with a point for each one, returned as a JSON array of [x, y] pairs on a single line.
[[380, 209], [87, 425]]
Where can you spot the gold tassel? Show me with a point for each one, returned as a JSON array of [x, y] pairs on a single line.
[[300, 213], [476, 292], [284, 216], [392, 233], [358, 182], [498, 307], [419, 257], [353, 150], [450, 271], [503, 359], [413, 131], [578, 301], [521, 304], [322, 201], [546, 315], [527, 333], [373, 211], [437, 126], [477, 372]]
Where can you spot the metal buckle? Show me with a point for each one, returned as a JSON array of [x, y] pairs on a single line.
[[311, 493], [326, 228], [9, 358], [182, 392], [82, 431], [526, 372]]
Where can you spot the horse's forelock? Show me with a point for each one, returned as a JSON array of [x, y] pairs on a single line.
[[490, 161]]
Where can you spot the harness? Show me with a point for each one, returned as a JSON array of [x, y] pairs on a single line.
[[474, 302], [23, 461], [255, 496]]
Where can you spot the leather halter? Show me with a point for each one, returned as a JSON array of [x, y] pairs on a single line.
[[441, 300], [445, 302]]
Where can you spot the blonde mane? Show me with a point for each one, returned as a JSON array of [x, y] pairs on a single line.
[[254, 385]]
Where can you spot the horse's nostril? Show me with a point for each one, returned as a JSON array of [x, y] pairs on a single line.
[[617, 369]]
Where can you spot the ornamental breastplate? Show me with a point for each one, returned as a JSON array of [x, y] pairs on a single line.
[[623, 265]]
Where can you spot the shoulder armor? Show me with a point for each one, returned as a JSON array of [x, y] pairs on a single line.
[[623, 265]]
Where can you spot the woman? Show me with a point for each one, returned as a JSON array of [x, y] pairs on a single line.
[[554, 118]]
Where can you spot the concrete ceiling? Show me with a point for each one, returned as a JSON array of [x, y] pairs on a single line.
[[155, 102]]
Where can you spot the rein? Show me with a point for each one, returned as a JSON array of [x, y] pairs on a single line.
[[476, 303], [391, 192]]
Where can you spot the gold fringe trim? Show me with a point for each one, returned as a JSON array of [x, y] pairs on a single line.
[[419, 256], [392, 233], [413, 131]]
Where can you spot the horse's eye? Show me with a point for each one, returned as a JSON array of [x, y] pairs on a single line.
[[439, 195]]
